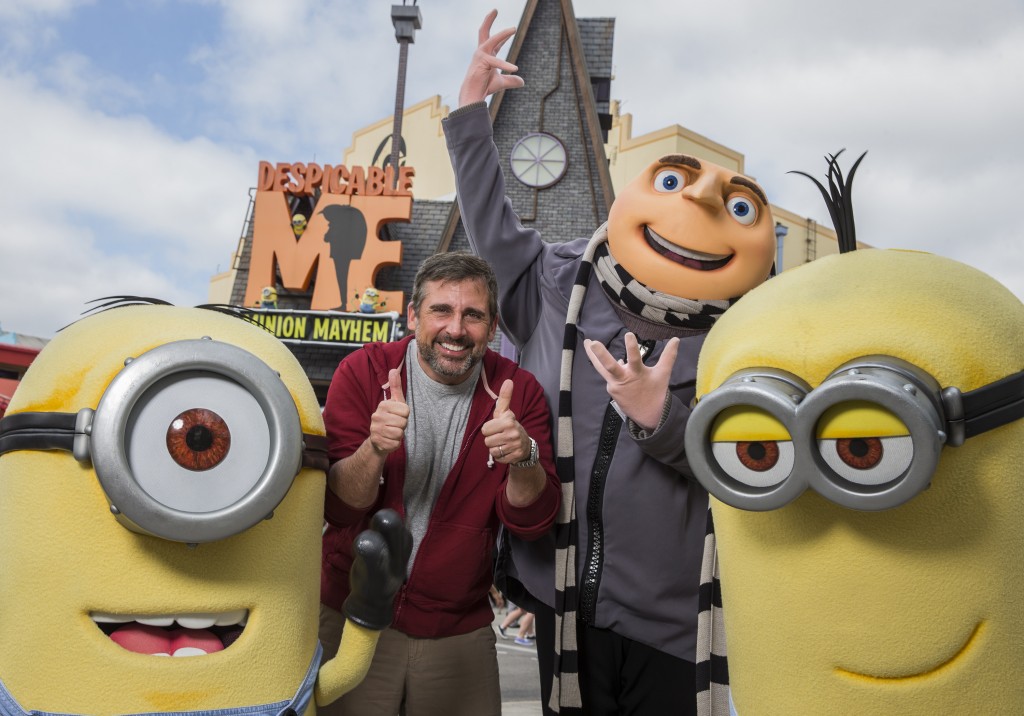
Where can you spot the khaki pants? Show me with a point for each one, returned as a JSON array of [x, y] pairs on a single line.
[[453, 676]]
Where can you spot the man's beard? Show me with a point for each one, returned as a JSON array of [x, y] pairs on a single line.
[[446, 366]]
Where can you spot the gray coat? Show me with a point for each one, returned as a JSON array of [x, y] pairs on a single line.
[[652, 513]]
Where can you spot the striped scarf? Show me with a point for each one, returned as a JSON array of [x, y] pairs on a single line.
[[626, 292]]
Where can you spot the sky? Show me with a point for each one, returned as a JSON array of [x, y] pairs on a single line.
[[131, 130]]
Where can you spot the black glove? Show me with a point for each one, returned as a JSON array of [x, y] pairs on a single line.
[[380, 555]]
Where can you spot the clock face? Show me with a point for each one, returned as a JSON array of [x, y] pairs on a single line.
[[538, 160]]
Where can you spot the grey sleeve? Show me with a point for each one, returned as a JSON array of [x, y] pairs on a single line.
[[494, 230], [665, 443]]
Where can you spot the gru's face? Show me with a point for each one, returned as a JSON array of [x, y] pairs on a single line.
[[692, 229]]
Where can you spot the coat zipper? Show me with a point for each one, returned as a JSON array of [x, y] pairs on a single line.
[[594, 562], [595, 497]]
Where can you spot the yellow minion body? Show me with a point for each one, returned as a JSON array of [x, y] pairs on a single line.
[[910, 610], [69, 568]]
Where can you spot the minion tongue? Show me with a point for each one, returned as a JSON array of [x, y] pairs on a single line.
[[161, 641]]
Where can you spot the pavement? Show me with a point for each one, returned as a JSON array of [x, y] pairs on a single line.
[[517, 670]]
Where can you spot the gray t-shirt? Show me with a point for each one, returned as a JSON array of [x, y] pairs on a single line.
[[438, 414]]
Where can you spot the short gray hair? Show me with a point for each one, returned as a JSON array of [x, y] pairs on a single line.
[[455, 266]]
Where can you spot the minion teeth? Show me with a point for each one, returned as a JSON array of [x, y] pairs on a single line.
[[686, 257], [173, 635], [238, 617]]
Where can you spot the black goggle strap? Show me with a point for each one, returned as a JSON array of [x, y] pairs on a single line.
[[56, 431], [314, 452], [993, 405], [38, 431]]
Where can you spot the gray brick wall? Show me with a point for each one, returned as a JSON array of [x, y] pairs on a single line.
[[552, 102]]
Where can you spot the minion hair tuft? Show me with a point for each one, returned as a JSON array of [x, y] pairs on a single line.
[[229, 310], [838, 199], [107, 303]]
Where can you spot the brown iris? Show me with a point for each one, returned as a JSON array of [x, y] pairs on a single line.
[[198, 439], [758, 456], [860, 453]]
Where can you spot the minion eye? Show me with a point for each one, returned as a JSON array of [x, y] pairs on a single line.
[[179, 442], [868, 460], [742, 210], [865, 443], [194, 441], [752, 447], [756, 463], [198, 439], [668, 181]]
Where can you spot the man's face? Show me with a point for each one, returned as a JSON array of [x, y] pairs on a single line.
[[692, 229], [453, 327]]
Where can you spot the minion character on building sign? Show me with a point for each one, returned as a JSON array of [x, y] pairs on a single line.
[[858, 425], [370, 301], [268, 297], [162, 477]]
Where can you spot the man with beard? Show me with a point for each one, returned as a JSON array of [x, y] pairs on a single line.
[[457, 439]]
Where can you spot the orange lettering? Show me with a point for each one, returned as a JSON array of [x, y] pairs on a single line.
[[405, 175], [332, 179], [280, 177], [357, 184], [298, 187], [265, 182], [375, 182], [314, 175]]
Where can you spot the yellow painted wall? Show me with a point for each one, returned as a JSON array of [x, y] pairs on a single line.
[[629, 155], [424, 140]]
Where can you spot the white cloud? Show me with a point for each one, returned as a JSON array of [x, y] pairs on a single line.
[[96, 205], [99, 198]]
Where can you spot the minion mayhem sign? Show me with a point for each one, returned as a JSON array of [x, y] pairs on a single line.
[[343, 329], [339, 253]]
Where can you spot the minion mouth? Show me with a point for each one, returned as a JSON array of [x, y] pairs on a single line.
[[928, 672], [686, 257], [173, 634]]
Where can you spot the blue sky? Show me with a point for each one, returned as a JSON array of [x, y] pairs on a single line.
[[130, 132]]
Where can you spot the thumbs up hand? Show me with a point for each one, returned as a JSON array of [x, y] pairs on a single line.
[[389, 420], [504, 437]]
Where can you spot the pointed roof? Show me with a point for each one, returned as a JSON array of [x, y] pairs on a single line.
[[558, 99]]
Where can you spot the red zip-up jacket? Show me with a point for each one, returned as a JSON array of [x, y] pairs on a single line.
[[446, 592]]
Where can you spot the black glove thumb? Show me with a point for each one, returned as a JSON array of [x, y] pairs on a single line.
[[380, 555]]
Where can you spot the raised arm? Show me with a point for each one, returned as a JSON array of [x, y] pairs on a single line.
[[494, 230]]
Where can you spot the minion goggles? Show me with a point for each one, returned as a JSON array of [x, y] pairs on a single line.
[[193, 441], [867, 438]]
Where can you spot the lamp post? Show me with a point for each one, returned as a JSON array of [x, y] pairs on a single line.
[[407, 20], [780, 234]]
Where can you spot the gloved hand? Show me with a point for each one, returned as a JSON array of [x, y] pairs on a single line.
[[381, 554]]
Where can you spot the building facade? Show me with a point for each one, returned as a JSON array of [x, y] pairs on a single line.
[[566, 147]]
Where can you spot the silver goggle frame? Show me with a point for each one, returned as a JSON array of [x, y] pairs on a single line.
[[236, 492], [105, 445], [903, 389]]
